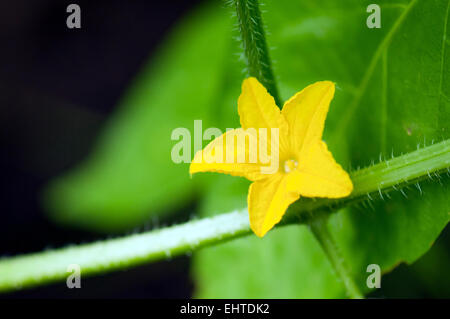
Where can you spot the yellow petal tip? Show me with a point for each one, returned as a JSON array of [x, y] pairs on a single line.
[[260, 232]]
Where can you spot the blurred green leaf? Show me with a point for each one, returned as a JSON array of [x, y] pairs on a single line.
[[393, 88], [287, 263], [130, 175]]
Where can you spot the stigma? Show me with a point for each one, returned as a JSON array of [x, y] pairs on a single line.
[[290, 165]]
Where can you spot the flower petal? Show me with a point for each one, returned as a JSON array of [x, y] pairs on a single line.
[[267, 202], [319, 175], [239, 160], [257, 109], [305, 113]]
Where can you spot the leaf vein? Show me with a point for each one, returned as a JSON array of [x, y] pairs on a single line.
[[384, 44], [444, 41]]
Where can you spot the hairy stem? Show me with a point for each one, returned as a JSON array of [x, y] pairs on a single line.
[[375, 181], [320, 230], [254, 44], [113, 254]]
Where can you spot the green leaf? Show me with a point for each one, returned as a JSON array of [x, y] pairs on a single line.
[[287, 263], [393, 94], [391, 232], [130, 175]]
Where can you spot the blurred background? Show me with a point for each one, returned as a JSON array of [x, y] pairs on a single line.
[[58, 90], [58, 86]]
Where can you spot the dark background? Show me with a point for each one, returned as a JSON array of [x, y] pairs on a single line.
[[57, 87]]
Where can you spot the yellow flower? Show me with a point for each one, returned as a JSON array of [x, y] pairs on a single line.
[[306, 167]]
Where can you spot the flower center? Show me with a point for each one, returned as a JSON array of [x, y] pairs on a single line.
[[290, 165]]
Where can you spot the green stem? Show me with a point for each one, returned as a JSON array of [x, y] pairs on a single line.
[[254, 44], [375, 181], [113, 254], [120, 253], [320, 230]]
